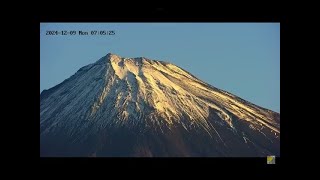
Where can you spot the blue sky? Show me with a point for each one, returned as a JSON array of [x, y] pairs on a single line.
[[241, 58]]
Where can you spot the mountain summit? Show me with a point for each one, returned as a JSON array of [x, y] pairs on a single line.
[[140, 107]]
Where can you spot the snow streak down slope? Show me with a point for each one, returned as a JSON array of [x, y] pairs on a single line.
[[140, 107]]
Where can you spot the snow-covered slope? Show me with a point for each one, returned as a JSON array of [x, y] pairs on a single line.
[[141, 107]]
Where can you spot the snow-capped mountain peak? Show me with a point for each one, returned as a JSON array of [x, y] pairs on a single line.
[[153, 96]]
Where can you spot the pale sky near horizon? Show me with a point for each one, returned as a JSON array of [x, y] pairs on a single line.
[[241, 58]]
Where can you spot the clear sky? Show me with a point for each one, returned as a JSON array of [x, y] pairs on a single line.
[[241, 58]]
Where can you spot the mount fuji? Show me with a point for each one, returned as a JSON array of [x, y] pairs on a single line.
[[138, 107]]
